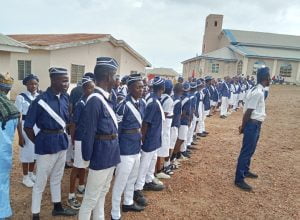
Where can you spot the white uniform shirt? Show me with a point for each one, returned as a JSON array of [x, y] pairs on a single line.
[[21, 104], [168, 104], [255, 100]]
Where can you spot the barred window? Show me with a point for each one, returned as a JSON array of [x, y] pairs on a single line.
[[77, 72], [215, 68], [286, 70], [24, 68], [239, 67]]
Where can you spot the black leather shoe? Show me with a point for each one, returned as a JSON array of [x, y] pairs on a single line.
[[139, 198], [132, 208], [205, 132], [251, 175], [193, 143], [153, 187], [244, 186], [191, 147], [202, 135], [223, 116], [114, 218], [36, 216], [64, 212]]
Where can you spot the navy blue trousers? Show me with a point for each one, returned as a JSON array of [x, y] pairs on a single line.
[[251, 136]]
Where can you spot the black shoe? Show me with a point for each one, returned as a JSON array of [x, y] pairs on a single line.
[[205, 132], [153, 187], [202, 135], [139, 198], [223, 116], [199, 134], [244, 186], [36, 216], [191, 147], [193, 143], [67, 166], [64, 212], [251, 175], [132, 208], [115, 218], [186, 154]]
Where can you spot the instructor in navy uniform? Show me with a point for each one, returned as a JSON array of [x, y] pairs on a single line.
[[254, 115], [100, 145], [49, 111]]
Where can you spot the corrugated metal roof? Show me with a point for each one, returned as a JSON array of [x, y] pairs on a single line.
[[261, 38], [5, 40], [53, 39], [268, 52]]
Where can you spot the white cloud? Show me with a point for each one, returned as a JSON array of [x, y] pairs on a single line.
[[165, 32]]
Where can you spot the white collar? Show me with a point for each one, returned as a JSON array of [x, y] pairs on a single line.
[[134, 100], [105, 93], [29, 94]]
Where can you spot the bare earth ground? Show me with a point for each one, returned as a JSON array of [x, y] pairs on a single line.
[[203, 187]]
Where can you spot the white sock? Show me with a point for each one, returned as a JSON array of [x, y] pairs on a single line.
[[166, 163], [81, 187], [71, 195]]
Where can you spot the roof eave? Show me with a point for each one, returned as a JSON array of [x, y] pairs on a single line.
[[9, 48], [123, 44]]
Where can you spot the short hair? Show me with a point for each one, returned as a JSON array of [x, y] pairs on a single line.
[[178, 87], [102, 73]]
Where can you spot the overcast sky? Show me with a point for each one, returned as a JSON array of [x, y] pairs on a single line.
[[165, 32]]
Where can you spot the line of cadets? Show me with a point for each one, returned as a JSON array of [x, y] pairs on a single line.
[[140, 131]]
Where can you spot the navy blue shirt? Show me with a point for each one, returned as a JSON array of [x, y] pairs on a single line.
[[48, 143], [186, 109], [114, 98], [102, 154], [176, 111], [130, 144], [206, 99], [153, 117], [225, 90], [77, 118], [75, 95]]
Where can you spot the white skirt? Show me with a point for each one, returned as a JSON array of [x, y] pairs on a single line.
[[163, 151], [173, 137], [27, 154], [78, 161]]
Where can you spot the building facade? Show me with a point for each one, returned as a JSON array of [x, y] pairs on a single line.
[[227, 52], [75, 52]]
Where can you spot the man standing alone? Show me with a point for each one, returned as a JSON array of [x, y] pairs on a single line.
[[254, 115]]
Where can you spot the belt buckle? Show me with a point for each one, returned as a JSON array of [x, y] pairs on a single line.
[[114, 136]]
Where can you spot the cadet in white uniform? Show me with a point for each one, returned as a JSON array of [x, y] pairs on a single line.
[[27, 155]]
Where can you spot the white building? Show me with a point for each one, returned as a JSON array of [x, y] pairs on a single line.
[[75, 52], [230, 52]]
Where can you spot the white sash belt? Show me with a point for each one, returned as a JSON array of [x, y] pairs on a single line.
[[109, 109], [135, 112], [52, 113]]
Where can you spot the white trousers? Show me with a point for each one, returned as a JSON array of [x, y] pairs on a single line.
[[52, 165], [235, 100], [191, 130], [125, 178], [224, 106], [97, 186], [146, 170], [201, 124]]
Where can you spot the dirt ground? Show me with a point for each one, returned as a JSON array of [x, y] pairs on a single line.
[[203, 188]]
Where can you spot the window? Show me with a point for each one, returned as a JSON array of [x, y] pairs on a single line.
[[239, 68], [77, 72], [216, 23], [286, 70], [215, 68], [133, 72], [24, 68], [257, 65]]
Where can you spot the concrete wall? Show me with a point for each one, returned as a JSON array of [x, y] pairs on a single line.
[[129, 63], [40, 63], [85, 55], [211, 33], [4, 62]]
